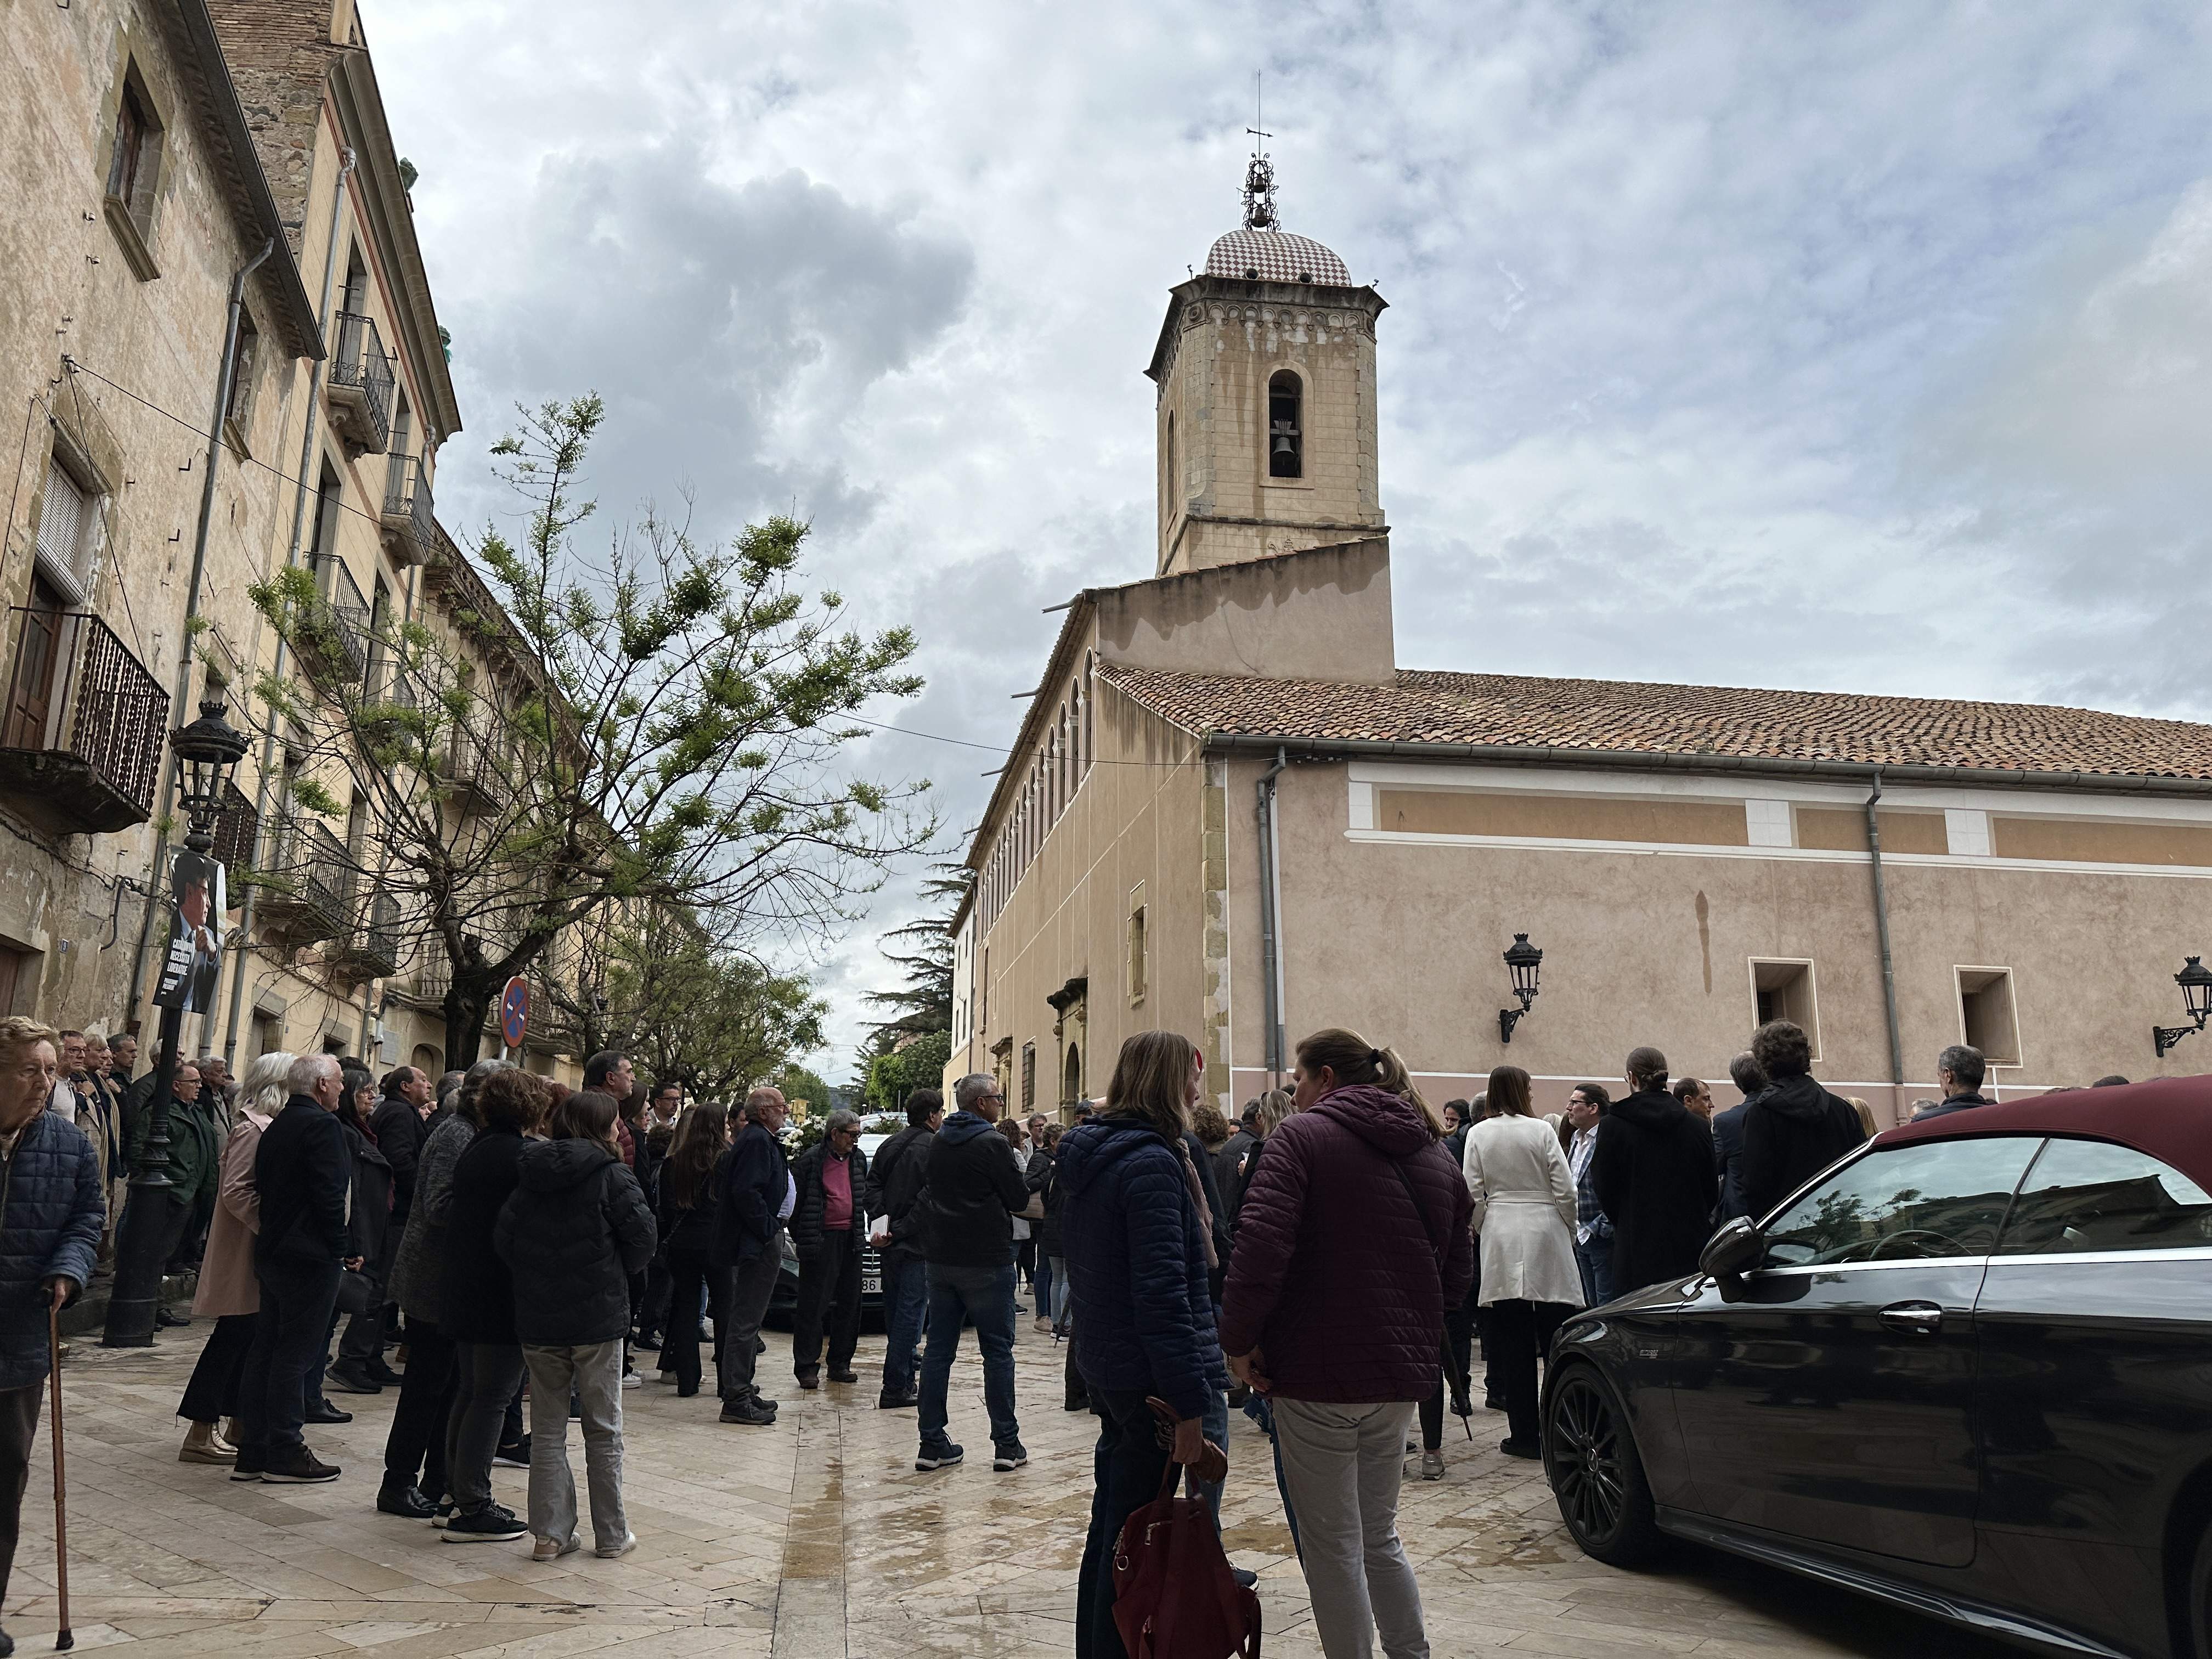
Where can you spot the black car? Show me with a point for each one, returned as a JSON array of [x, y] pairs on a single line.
[[1968, 1368]]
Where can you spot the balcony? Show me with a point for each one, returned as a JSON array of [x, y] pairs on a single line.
[[393, 696], [333, 645], [360, 388], [85, 725], [426, 987], [307, 893], [371, 950], [237, 830], [470, 778], [407, 534]]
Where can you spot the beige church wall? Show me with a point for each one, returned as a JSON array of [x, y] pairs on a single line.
[[1403, 942], [1320, 614], [1136, 822]]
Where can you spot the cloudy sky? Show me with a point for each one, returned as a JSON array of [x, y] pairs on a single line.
[[1816, 345]]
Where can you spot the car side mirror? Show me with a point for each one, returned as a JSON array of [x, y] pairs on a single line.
[[1732, 1252]]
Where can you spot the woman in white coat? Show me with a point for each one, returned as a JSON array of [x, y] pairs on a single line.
[[1524, 1212]]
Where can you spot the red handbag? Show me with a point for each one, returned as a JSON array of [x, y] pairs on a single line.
[[1174, 1597]]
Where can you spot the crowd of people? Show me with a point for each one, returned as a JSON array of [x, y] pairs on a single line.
[[1329, 1264]]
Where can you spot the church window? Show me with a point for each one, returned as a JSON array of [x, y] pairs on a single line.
[[1286, 426]]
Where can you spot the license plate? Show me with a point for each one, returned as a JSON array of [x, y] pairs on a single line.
[[871, 1285]]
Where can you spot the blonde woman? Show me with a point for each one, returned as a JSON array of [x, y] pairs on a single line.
[[1140, 1251], [228, 1291], [1354, 1239]]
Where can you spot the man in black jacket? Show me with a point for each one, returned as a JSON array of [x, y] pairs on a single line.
[[973, 1187], [1728, 1134], [1796, 1128], [1654, 1178], [832, 1179], [895, 1179], [302, 1174], [398, 1125], [1958, 1073], [756, 1193]]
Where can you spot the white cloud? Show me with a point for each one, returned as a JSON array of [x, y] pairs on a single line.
[[1787, 345]]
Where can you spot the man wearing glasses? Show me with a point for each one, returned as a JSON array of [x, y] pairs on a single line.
[[972, 1192], [832, 1176]]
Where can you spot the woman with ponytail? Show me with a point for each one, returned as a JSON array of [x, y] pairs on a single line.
[[1353, 1237]]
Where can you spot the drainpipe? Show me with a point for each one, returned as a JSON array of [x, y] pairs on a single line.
[[223, 386], [1882, 934], [1271, 908], [299, 516]]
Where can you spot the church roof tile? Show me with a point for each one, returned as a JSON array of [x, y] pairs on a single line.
[[1620, 717]]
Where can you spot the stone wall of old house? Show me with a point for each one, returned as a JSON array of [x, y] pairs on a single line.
[[135, 295]]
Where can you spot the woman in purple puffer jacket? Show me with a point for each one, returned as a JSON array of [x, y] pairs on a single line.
[[1358, 1206]]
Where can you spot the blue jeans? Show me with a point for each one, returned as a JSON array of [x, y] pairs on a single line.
[[985, 1295], [1128, 1470], [1216, 1423], [1062, 1286], [1595, 1261], [906, 1300]]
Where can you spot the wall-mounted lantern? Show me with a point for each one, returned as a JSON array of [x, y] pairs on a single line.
[[2196, 983], [1522, 960]]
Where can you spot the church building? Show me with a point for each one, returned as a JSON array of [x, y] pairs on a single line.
[[1229, 812]]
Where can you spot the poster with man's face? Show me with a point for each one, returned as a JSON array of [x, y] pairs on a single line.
[[194, 958]]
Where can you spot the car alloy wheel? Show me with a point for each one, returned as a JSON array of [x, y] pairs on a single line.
[[1591, 1458]]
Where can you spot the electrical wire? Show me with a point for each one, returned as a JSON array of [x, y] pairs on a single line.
[[1002, 749], [79, 365]]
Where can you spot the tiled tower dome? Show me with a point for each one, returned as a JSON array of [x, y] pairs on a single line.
[[1275, 256]]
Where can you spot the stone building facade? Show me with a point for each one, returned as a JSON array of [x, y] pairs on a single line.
[[135, 197], [153, 148], [1230, 812]]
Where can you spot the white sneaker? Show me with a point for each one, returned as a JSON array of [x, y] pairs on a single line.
[[548, 1549], [632, 1380], [1432, 1466], [608, 1552]]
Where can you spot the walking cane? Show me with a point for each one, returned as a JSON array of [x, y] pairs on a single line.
[[64, 1641], [1458, 1380]]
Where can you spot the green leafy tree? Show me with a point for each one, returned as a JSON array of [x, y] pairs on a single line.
[[919, 1064], [653, 726], [922, 951]]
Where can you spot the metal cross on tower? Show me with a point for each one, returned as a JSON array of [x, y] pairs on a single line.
[[1259, 175]]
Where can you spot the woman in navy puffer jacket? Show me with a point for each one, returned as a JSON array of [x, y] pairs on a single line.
[[1138, 1251]]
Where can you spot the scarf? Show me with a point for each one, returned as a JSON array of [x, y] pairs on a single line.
[[1197, 1197]]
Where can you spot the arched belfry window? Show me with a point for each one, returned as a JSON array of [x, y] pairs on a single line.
[[1285, 426]]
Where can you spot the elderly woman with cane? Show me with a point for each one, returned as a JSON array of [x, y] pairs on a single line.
[[51, 1211]]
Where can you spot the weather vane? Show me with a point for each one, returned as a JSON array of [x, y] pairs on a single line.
[[1259, 174]]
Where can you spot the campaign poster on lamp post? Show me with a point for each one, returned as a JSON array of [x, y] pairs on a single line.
[[194, 958]]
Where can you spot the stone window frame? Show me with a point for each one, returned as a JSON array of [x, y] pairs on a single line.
[[1299, 426], [1139, 951], [131, 212], [1974, 1030], [245, 362]]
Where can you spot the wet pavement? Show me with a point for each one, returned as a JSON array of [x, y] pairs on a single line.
[[815, 1538]]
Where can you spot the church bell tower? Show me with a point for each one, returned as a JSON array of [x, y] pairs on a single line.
[[1265, 409]]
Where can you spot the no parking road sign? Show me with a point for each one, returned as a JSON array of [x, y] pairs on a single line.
[[514, 1012]]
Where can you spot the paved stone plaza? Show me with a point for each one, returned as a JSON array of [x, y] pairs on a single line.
[[814, 1538]]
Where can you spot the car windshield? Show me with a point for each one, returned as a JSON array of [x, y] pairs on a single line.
[[1928, 1198]]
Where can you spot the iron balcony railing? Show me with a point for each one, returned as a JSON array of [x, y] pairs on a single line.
[[473, 778], [360, 381], [338, 630], [309, 892], [237, 828], [407, 527], [85, 721], [372, 949]]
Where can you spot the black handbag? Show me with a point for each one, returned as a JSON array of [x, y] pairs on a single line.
[[356, 1292]]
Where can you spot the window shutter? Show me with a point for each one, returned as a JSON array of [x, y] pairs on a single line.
[[62, 524]]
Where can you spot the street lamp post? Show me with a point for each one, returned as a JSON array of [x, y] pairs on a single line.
[[1522, 962], [205, 752], [2196, 983]]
